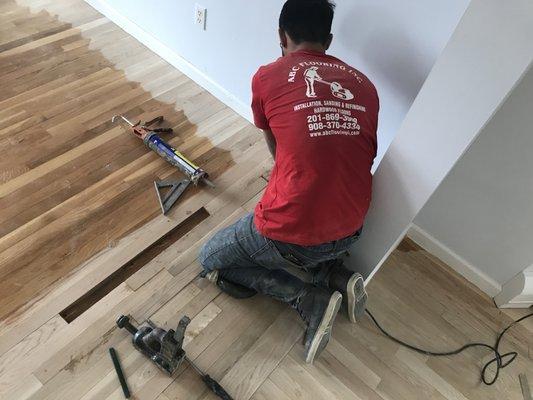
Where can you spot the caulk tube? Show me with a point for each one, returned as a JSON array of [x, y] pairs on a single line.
[[174, 157]]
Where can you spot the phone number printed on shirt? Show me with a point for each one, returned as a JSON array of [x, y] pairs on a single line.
[[319, 122]]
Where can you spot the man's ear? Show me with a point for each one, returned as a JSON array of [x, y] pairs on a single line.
[[282, 38], [328, 42]]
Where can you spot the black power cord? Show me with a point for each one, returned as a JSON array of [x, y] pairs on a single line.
[[501, 360]]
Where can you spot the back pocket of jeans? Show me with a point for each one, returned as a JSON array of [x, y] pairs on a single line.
[[293, 260]]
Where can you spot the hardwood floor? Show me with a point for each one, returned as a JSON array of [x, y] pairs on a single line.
[[78, 212], [73, 183]]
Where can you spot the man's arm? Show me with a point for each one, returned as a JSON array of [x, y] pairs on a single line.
[[260, 118], [271, 142]]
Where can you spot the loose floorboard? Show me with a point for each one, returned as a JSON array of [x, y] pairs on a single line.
[[77, 212]]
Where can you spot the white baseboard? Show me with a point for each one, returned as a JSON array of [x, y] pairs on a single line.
[[456, 262], [518, 292], [172, 57]]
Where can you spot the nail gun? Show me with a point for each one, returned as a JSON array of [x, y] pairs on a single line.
[[154, 142], [165, 349]]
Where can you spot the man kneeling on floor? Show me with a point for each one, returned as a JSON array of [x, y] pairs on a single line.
[[319, 118]]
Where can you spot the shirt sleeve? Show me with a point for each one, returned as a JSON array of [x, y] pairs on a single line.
[[260, 119]]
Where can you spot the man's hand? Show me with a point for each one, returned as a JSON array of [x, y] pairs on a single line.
[[271, 142]]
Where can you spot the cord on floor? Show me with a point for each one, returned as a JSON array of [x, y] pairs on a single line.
[[500, 360]]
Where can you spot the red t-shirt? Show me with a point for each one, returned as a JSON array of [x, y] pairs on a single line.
[[324, 116]]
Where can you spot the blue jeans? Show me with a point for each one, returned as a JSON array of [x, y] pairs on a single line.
[[243, 256]]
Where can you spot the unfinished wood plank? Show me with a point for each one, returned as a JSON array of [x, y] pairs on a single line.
[[293, 380], [192, 387], [42, 351], [353, 364], [324, 376], [417, 363], [39, 338], [220, 356], [25, 389], [108, 385], [198, 323], [264, 356], [178, 302], [269, 390]]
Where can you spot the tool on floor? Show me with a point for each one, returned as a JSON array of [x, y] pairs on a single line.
[[152, 140], [165, 349], [120, 374], [524, 384]]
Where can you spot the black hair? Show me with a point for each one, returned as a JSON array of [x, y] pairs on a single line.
[[307, 20]]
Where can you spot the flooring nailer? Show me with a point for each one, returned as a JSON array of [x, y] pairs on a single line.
[[153, 141], [165, 349]]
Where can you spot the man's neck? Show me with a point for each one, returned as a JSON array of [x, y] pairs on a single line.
[[307, 46]]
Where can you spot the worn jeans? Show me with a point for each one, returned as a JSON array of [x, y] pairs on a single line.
[[243, 256]]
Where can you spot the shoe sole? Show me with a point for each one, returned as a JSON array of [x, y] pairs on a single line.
[[356, 297], [323, 332], [212, 276]]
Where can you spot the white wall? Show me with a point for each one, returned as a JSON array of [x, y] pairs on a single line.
[[394, 42], [487, 54], [483, 211]]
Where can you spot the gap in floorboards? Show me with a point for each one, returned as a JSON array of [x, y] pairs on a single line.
[[97, 293]]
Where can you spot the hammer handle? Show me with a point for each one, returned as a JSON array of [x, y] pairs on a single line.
[[120, 374], [216, 388]]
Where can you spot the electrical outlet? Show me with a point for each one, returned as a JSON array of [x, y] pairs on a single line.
[[200, 14]]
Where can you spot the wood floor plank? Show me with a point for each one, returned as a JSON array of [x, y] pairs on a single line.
[[269, 390], [353, 364], [50, 346], [24, 390], [256, 365], [293, 380]]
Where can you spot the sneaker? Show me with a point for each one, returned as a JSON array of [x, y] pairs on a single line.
[[318, 308], [352, 286], [233, 289], [211, 276]]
